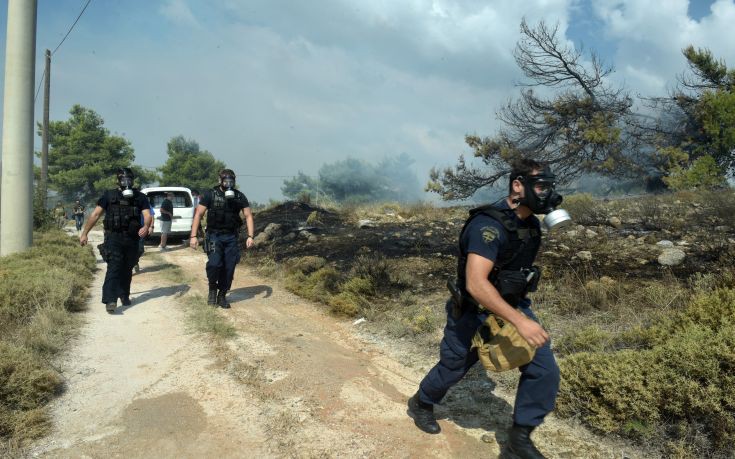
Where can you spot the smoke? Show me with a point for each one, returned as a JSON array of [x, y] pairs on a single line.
[[357, 181]]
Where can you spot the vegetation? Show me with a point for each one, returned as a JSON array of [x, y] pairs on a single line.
[[39, 291], [84, 157], [187, 165], [577, 130], [628, 331]]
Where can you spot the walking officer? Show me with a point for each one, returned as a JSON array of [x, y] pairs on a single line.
[[226, 209], [123, 208], [499, 241]]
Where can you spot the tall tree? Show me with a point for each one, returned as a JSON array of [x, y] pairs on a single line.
[[84, 156], [187, 165], [578, 129], [697, 120]]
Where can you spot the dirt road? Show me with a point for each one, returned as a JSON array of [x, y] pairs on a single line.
[[294, 382]]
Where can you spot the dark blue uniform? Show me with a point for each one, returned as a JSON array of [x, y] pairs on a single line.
[[223, 224], [122, 222], [539, 382]]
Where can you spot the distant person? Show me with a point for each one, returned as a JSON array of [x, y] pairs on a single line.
[[60, 215], [167, 213], [499, 242], [141, 241], [226, 209], [123, 208], [195, 198], [78, 214]]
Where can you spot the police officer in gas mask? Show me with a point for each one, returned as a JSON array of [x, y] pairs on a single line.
[[123, 208], [226, 210], [498, 245]]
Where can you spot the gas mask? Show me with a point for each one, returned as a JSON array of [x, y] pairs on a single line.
[[125, 182], [541, 197], [228, 184]]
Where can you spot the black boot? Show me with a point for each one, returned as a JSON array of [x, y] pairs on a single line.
[[110, 307], [125, 300], [222, 300], [519, 442], [423, 415], [212, 299]]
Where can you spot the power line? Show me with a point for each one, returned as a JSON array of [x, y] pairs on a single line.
[[39, 85], [72, 27]]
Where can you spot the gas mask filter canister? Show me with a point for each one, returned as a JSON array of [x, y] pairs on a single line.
[[126, 183], [546, 200], [228, 183]]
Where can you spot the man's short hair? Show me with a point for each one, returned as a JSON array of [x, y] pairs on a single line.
[[521, 168], [224, 172], [195, 192]]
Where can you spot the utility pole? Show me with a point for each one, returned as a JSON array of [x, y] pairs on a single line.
[[16, 190], [43, 186]]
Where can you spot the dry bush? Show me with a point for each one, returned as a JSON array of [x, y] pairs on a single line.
[[585, 209], [375, 268], [38, 289], [723, 205]]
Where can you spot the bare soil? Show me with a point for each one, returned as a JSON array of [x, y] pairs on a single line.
[[294, 382]]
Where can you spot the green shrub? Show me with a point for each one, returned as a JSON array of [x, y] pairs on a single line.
[[317, 286], [684, 380], [587, 339]]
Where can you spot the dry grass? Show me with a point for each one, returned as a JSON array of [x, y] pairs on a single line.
[[39, 291], [204, 318]]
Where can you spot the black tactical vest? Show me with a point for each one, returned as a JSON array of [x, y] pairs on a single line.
[[518, 253], [223, 215], [122, 215]]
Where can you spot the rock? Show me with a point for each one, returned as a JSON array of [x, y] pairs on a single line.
[[671, 257], [584, 255], [581, 228], [571, 233], [551, 254], [631, 237], [313, 238], [366, 224], [682, 243], [722, 229], [665, 243], [290, 236], [614, 222], [261, 238], [272, 229], [305, 234], [563, 247], [428, 234], [590, 234]]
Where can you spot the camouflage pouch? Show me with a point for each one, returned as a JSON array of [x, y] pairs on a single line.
[[500, 347]]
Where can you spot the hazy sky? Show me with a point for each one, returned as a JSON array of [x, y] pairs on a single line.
[[272, 87]]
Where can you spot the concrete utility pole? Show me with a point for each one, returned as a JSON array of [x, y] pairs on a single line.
[[16, 191], [43, 186]]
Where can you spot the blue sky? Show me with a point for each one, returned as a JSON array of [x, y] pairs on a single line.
[[272, 87]]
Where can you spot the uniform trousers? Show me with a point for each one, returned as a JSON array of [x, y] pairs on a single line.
[[223, 257], [539, 382], [122, 256]]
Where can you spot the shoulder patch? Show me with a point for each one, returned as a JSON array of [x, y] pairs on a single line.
[[489, 234]]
